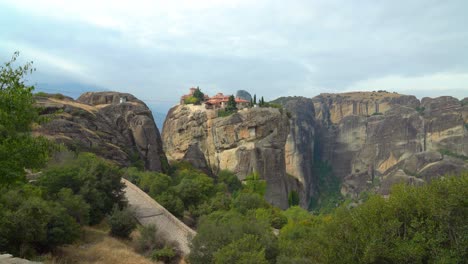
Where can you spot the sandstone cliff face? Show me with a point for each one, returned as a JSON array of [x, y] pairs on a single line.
[[113, 125], [250, 140], [400, 139], [299, 148]]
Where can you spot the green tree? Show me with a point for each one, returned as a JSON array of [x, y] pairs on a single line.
[[230, 179], [246, 250], [97, 180], [121, 222], [231, 104], [75, 205], [246, 201], [194, 187], [154, 183], [293, 198], [18, 149], [220, 229], [255, 99], [29, 224], [254, 184], [199, 96]]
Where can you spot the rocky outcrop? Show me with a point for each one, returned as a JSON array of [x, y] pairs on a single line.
[[149, 212], [299, 148], [116, 126], [399, 139], [9, 259], [252, 140]]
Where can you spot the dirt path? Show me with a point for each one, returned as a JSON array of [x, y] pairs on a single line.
[[148, 211]]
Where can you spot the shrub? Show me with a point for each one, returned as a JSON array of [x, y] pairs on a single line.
[[154, 183], [220, 229], [172, 203], [420, 109], [75, 205], [225, 113], [293, 198], [121, 222], [165, 254], [249, 201], [148, 240], [191, 100], [96, 180], [30, 224], [230, 179], [246, 250]]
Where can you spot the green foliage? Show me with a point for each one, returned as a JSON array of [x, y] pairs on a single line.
[[224, 113], [166, 254], [121, 222], [17, 110], [246, 250], [193, 187], [75, 205], [199, 96], [254, 184], [56, 95], [328, 194], [246, 201], [171, 202], [151, 243], [424, 224], [377, 113], [271, 215], [191, 100], [148, 240], [29, 224], [230, 179], [220, 229], [231, 104], [293, 198], [452, 154], [420, 109], [154, 183], [91, 177], [18, 150]]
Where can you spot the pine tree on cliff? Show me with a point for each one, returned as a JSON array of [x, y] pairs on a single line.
[[231, 104], [199, 95]]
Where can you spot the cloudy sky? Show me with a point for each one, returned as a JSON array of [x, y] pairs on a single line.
[[158, 49]]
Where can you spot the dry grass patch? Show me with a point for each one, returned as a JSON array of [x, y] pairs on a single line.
[[97, 247]]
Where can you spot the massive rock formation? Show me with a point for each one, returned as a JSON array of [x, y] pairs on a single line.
[[116, 126], [374, 139], [251, 140], [371, 140]]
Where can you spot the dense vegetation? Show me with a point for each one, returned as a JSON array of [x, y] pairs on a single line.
[[45, 211], [415, 225]]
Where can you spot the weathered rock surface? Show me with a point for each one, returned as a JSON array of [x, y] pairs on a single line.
[[9, 259], [250, 140], [150, 212], [116, 126], [372, 140], [375, 139], [299, 148]]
